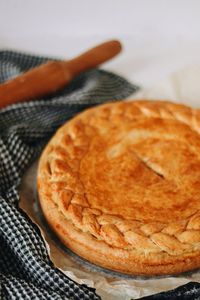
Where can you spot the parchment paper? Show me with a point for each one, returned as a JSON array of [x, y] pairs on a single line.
[[183, 87]]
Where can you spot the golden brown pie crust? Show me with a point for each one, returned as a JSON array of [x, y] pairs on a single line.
[[120, 186]]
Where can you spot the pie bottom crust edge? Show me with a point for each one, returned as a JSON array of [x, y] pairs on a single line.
[[103, 255]]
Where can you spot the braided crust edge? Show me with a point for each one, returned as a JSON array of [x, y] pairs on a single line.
[[120, 260], [175, 246]]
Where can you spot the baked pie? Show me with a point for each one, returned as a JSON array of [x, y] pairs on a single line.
[[120, 185]]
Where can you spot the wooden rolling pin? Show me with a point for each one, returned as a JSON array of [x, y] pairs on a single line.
[[54, 75]]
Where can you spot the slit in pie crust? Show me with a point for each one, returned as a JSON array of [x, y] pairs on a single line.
[[120, 185]]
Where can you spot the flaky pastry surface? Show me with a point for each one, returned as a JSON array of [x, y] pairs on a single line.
[[120, 185]]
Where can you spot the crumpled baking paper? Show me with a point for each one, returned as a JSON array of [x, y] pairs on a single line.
[[183, 87]]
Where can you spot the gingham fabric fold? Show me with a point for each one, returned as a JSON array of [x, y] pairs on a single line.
[[25, 268]]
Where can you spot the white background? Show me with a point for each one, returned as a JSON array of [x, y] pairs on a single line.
[[159, 36]]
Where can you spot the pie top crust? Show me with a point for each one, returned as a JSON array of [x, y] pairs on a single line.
[[128, 174]]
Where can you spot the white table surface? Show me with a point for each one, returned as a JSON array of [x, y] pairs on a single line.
[[159, 36]]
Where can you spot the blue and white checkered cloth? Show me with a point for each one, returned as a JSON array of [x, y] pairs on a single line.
[[25, 268]]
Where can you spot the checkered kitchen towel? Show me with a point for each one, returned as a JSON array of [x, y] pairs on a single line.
[[26, 271]]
